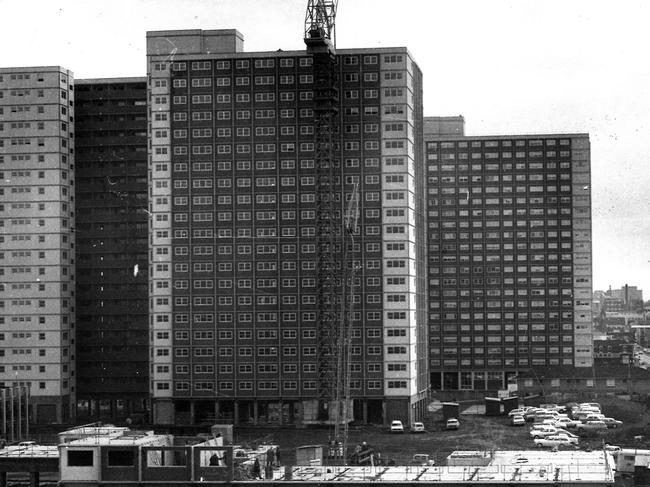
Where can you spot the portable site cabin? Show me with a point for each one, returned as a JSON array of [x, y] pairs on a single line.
[[629, 460], [492, 406], [141, 456], [450, 410]]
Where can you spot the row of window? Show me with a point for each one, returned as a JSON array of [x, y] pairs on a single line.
[[28, 92], [287, 351], [269, 113], [307, 368], [22, 141], [265, 63], [488, 144], [447, 364], [305, 282], [28, 351], [264, 317], [246, 165], [286, 317], [270, 130], [263, 334], [272, 385], [267, 266], [22, 335]]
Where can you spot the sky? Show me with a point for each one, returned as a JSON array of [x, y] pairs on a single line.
[[507, 66]]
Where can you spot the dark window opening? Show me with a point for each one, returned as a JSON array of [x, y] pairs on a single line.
[[121, 458], [80, 458]]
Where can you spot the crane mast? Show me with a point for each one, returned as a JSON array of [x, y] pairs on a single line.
[[332, 235]]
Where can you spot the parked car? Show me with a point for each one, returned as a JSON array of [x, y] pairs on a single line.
[[517, 420], [418, 428], [568, 435], [517, 412], [555, 441], [591, 426], [582, 415], [541, 417], [396, 426], [452, 424], [530, 414], [612, 423], [543, 430], [564, 423], [594, 405], [551, 407], [594, 417]]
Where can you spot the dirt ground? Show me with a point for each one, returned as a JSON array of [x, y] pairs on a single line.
[[476, 432]]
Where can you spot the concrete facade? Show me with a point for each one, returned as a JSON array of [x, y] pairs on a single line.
[[37, 237], [509, 256], [247, 121]]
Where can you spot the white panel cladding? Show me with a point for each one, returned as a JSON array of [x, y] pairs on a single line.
[[582, 263], [37, 166], [160, 226], [398, 207]]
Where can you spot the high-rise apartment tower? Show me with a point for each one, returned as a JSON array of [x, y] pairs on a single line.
[[37, 237], [112, 332], [233, 261], [510, 274]]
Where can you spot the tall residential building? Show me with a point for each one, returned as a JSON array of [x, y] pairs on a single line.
[[37, 314], [234, 240], [510, 273], [112, 332]]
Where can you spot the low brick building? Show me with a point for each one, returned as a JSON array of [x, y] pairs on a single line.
[[574, 384]]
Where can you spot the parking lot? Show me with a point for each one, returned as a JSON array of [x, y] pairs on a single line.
[[476, 432]]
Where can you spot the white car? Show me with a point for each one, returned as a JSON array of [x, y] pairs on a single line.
[[567, 435], [418, 428], [452, 424], [542, 431], [396, 426], [517, 420], [555, 441], [564, 423], [517, 412]]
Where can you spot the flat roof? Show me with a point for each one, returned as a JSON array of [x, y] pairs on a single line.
[[529, 466], [92, 81], [451, 137], [29, 451], [128, 438]]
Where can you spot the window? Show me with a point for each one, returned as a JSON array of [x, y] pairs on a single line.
[[80, 458]]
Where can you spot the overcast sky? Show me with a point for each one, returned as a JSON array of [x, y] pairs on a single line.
[[508, 66]]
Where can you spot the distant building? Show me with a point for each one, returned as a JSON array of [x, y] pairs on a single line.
[[112, 333], [611, 304], [614, 350], [581, 383], [37, 316], [510, 274], [444, 126], [629, 294], [631, 298]]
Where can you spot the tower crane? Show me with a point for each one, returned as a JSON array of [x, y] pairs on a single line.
[[350, 268], [333, 233]]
